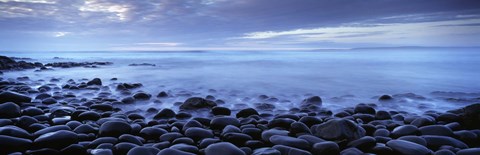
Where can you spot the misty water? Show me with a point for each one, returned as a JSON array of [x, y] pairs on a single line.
[[341, 77]]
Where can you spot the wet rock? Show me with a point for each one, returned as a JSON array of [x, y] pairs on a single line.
[[470, 118], [266, 151], [9, 144], [218, 123], [269, 133], [280, 122], [95, 81], [85, 129], [56, 140], [143, 150], [128, 100], [142, 96], [382, 115], [338, 129], [385, 98], [89, 115], [162, 94], [310, 120], [470, 151], [365, 143], [198, 134], [434, 142], [152, 133], [220, 111], [289, 141], [197, 103], [290, 150], [364, 109], [408, 148], [74, 149], [414, 139], [9, 110], [165, 114], [8, 96], [225, 148], [405, 130], [298, 128], [114, 129], [326, 147], [170, 151], [246, 112], [439, 130], [14, 131]]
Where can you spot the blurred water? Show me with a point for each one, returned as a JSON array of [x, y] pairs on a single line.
[[363, 73]]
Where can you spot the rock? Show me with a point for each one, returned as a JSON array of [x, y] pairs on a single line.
[[162, 94], [95, 81], [237, 139], [246, 112], [364, 109], [290, 150], [470, 118], [223, 148], [289, 141], [128, 100], [470, 151], [316, 100], [197, 103], [338, 129], [143, 150], [74, 149], [170, 151], [123, 147], [114, 129], [271, 132], [408, 148], [185, 147], [220, 111], [165, 114], [351, 151], [280, 122], [435, 142], [142, 96], [326, 147], [385, 98], [89, 115], [152, 133], [56, 140], [85, 129], [423, 121], [298, 128], [266, 151], [365, 143], [49, 101], [198, 134], [310, 120], [8, 96], [382, 115], [10, 144], [439, 130], [9, 110], [219, 123], [14, 131], [405, 130], [51, 129]]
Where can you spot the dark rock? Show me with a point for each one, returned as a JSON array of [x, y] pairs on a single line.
[[439, 130], [269, 133], [10, 144], [315, 100], [51, 129], [165, 114], [445, 152], [423, 121], [95, 81], [143, 150], [8, 96], [225, 148], [123, 147], [152, 132], [385, 98], [238, 139], [74, 149], [299, 128], [266, 151], [405, 130], [311, 139], [382, 133], [382, 115], [364, 109], [88, 115], [114, 129], [170, 136], [414, 139], [32, 111], [9, 110], [128, 100], [170, 151], [49, 101], [470, 118], [280, 122], [470, 151], [198, 134], [338, 129], [290, 141], [218, 123], [246, 112], [326, 147], [162, 94], [365, 143], [408, 148], [220, 111], [14, 132], [310, 120], [197, 103], [351, 151], [435, 142], [56, 140], [287, 150], [85, 128], [142, 96]]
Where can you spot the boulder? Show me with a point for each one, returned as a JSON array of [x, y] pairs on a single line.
[[197, 103], [338, 129]]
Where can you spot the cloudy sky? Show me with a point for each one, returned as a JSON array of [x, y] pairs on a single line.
[[58, 25]]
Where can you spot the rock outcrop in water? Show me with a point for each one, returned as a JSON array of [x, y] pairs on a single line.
[[7, 63], [53, 119]]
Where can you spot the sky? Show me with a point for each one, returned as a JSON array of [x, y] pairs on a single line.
[[125, 25]]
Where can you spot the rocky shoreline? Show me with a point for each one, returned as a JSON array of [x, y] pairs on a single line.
[[55, 119]]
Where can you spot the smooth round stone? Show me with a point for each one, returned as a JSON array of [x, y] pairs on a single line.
[[364, 109], [207, 141], [246, 112], [219, 123], [123, 147], [221, 111], [254, 144], [381, 132], [230, 129], [88, 115], [280, 122], [32, 111], [51, 129], [197, 133], [131, 139], [414, 139], [382, 115], [255, 133], [170, 136], [170, 151], [142, 96], [165, 114], [408, 148], [74, 149], [102, 140], [326, 147], [102, 107], [56, 140], [238, 139], [470, 151], [49, 101], [266, 151], [381, 148], [185, 147], [290, 150], [223, 148], [101, 152], [269, 133], [114, 129], [183, 140], [423, 121], [152, 133], [446, 152], [338, 129], [310, 120], [299, 128], [197, 103], [365, 143], [9, 144], [8, 96], [9, 110], [14, 132], [142, 150], [289, 141], [85, 128], [439, 130], [435, 142], [405, 130], [43, 151], [311, 139], [351, 151]]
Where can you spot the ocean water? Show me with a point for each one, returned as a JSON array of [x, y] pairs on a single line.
[[341, 77]]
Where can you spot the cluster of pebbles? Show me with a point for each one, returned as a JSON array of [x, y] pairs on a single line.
[[52, 120]]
